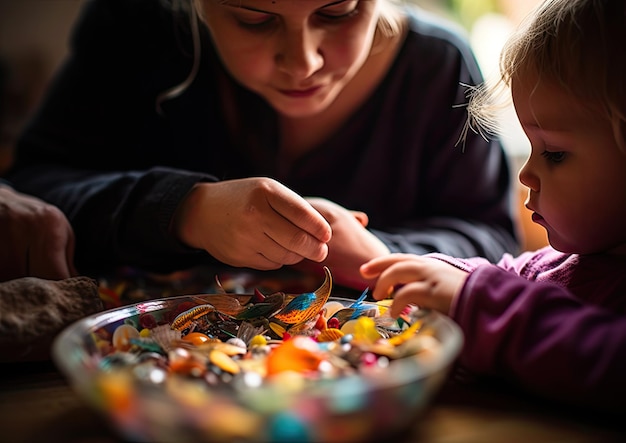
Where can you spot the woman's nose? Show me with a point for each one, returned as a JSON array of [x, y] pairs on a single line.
[[300, 55]]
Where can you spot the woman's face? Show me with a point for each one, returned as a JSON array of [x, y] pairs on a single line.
[[297, 54]]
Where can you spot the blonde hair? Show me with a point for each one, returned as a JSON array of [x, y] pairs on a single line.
[[391, 20], [390, 24], [579, 45]]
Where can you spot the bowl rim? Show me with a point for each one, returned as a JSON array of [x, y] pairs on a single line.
[[71, 358]]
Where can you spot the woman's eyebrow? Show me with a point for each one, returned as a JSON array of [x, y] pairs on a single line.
[[238, 5], [247, 8], [334, 3]]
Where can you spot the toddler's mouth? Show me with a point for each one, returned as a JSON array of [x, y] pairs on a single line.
[[537, 218]]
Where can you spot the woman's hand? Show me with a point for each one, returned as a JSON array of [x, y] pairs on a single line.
[[412, 279], [351, 245], [37, 239], [253, 222]]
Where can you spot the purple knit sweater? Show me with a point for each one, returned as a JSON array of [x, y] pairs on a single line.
[[553, 323]]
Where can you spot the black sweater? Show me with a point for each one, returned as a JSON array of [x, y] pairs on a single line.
[[99, 149]]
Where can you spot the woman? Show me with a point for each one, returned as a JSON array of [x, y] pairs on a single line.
[[262, 133]]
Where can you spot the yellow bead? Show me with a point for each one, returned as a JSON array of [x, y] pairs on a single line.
[[258, 340]]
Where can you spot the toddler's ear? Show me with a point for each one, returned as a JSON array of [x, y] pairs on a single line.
[[361, 217]]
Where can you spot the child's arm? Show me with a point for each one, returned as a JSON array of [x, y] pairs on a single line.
[[542, 337]]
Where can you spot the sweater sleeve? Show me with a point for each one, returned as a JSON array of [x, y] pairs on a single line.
[[540, 336], [80, 151]]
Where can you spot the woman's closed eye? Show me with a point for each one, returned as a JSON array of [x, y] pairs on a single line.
[[255, 20], [333, 13], [339, 10]]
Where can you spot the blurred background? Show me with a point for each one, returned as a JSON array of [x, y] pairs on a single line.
[[34, 35]]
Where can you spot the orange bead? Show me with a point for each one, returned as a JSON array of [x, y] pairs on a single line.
[[299, 354], [196, 338], [183, 362], [320, 324], [330, 334]]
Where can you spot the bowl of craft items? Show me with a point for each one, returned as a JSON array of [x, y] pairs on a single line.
[[257, 367]]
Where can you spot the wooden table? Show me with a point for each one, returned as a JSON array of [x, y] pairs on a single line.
[[37, 405]]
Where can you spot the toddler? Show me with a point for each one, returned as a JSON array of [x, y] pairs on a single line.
[[552, 321]]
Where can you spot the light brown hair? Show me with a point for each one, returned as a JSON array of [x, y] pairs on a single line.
[[579, 45]]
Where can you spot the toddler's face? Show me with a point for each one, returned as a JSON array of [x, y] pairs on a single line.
[[298, 55], [575, 173]]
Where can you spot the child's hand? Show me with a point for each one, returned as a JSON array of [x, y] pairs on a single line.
[[412, 279]]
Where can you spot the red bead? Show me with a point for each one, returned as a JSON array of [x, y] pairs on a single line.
[[333, 323]]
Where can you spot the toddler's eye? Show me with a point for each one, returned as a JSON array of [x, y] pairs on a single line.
[[554, 157]]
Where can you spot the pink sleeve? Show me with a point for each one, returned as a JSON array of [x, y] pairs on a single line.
[[541, 337]]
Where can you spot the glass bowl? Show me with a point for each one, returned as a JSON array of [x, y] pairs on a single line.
[[145, 397]]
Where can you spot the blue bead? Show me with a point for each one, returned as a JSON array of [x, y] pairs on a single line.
[[346, 338], [288, 427]]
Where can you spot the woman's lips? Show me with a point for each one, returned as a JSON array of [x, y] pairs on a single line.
[[300, 93]]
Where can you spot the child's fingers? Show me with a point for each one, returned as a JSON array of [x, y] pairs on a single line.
[[411, 293], [395, 276], [373, 268]]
